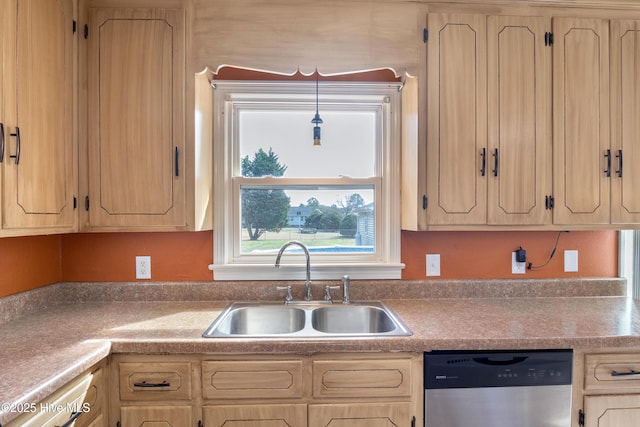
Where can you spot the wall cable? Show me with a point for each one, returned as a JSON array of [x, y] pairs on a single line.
[[530, 266]]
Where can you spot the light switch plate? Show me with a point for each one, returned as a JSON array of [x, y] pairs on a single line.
[[433, 264], [571, 261], [517, 267]]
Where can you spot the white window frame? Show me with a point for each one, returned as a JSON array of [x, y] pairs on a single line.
[[229, 263], [629, 260]]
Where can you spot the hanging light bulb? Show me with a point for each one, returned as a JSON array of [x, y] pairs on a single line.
[[317, 121]]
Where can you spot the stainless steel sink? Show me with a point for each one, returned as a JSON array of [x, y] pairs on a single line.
[[306, 320], [352, 319], [258, 320]]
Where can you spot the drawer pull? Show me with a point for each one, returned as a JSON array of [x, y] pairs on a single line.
[[74, 416], [624, 374], [152, 385]]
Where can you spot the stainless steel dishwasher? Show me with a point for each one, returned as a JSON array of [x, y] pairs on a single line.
[[498, 389]]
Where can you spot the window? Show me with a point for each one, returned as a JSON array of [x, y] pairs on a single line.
[[272, 185], [629, 258]]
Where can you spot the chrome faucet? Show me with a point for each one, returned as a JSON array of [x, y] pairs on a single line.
[[345, 290], [308, 296]]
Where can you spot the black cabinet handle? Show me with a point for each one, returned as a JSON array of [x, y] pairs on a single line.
[[607, 171], [483, 169], [177, 163], [496, 162], [624, 374], [152, 385], [548, 39], [74, 416], [1, 142], [619, 157], [17, 155]]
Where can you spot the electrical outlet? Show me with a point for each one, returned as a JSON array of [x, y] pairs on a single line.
[[571, 261], [143, 267], [517, 267], [433, 264]]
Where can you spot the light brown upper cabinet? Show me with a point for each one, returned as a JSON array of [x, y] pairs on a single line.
[[583, 161], [38, 150], [596, 79], [561, 121], [136, 136], [519, 120], [3, 133], [625, 122], [489, 143], [456, 119]]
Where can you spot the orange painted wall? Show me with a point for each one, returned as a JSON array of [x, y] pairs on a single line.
[[29, 262], [479, 254], [32, 262], [186, 256], [97, 257]]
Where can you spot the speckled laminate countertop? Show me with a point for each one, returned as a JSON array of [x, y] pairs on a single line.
[[46, 346]]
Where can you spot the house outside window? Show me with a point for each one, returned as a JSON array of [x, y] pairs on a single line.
[[272, 185], [298, 216]]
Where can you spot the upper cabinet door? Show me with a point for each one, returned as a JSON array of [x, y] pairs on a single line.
[[39, 170], [519, 120], [3, 118], [625, 126], [582, 157], [457, 119], [136, 119]]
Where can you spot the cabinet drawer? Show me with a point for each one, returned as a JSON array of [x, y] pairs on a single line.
[[155, 381], [362, 378], [612, 372], [252, 379]]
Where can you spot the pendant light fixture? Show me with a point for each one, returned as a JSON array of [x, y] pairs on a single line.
[[317, 121]]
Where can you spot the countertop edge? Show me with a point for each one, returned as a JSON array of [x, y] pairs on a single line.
[[98, 351]]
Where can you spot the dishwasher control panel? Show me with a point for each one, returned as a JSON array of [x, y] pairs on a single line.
[[497, 368]]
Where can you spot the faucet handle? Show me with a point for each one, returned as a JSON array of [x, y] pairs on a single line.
[[288, 298], [327, 292]]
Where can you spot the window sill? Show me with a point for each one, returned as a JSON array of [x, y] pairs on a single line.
[[297, 272]]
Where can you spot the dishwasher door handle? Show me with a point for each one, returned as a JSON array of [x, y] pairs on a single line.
[[500, 362]]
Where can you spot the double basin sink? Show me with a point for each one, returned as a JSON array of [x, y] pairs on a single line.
[[306, 320]]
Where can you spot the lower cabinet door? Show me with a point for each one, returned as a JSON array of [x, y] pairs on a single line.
[[287, 415], [98, 421], [612, 410], [360, 415], [165, 416]]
